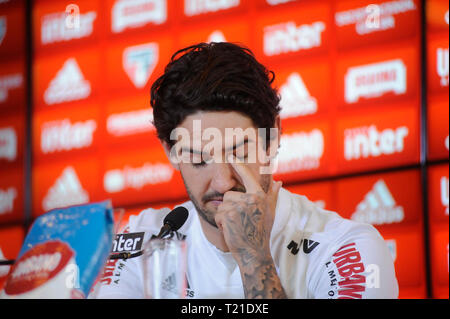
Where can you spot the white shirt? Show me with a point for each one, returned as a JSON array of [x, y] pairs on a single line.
[[317, 254]]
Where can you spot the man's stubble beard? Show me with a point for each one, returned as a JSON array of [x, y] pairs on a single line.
[[209, 216]]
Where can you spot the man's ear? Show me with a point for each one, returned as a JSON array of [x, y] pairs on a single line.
[[171, 154]]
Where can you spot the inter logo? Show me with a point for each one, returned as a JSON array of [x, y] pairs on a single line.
[[128, 242]]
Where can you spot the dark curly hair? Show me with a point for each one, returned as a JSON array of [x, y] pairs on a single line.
[[218, 76]]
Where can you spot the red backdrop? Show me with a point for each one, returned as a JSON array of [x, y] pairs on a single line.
[[350, 75]]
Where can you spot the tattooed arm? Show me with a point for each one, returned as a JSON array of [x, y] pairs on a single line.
[[261, 280], [246, 220], [246, 236]]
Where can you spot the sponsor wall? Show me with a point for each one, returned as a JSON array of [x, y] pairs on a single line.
[[349, 72], [13, 103], [437, 112]]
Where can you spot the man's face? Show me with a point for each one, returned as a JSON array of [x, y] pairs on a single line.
[[209, 137]]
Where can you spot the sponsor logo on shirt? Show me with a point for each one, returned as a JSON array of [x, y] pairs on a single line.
[[54, 27], [169, 283], [346, 272], [2, 28], [128, 242], [117, 180], [112, 270], [368, 141], [444, 193], [196, 7], [370, 19], [8, 143], [7, 198], [66, 191], [137, 13], [287, 37], [129, 123], [300, 151], [62, 135], [9, 82], [378, 207], [68, 85], [374, 80], [307, 244], [442, 65], [295, 98], [139, 62]]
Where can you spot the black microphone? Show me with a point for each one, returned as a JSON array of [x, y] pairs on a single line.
[[173, 221]]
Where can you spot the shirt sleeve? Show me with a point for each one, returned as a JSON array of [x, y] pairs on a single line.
[[359, 267]]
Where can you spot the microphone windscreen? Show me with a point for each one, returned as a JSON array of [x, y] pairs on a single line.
[[177, 217]]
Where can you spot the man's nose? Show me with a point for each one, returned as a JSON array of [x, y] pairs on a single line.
[[223, 178]]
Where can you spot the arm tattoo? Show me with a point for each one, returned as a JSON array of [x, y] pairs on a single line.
[[258, 271], [263, 283]]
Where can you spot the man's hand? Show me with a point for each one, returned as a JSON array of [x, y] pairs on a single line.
[[246, 220]]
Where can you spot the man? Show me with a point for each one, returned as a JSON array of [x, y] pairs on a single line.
[[216, 115]]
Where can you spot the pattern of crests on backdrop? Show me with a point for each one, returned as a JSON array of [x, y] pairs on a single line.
[[351, 77]]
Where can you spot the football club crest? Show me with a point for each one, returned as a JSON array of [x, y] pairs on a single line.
[[139, 62]]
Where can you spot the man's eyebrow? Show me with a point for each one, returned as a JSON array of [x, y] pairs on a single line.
[[232, 148]]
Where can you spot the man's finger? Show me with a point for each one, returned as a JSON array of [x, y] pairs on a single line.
[[250, 183], [218, 218]]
